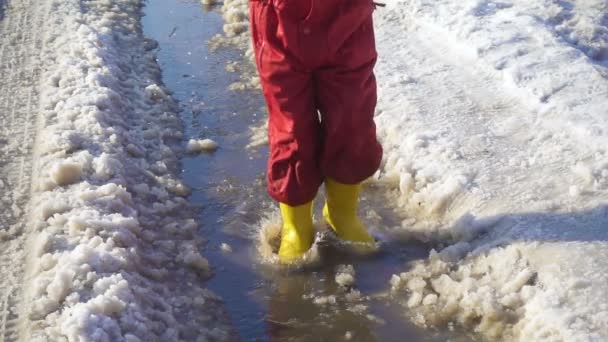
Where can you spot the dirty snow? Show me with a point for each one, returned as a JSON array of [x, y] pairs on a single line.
[[236, 33], [113, 252], [493, 116]]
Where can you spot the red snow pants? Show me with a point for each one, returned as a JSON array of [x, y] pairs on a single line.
[[315, 59]]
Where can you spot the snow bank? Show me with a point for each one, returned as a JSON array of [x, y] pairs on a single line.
[[493, 116], [114, 253]]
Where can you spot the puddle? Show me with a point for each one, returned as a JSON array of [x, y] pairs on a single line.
[[228, 188]]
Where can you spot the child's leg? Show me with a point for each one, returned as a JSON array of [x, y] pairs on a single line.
[[346, 92], [294, 130]]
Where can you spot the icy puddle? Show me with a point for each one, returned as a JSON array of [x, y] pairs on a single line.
[[228, 188]]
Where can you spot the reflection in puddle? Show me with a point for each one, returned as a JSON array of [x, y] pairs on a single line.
[[266, 303]]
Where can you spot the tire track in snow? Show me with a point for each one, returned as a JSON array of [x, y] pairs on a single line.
[[449, 93], [20, 52]]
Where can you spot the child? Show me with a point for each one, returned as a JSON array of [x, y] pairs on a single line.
[[315, 59]]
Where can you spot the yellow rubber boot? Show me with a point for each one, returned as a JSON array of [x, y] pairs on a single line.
[[340, 211], [297, 234]]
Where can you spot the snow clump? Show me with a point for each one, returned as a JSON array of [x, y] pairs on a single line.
[[203, 145], [449, 287], [345, 275], [226, 248]]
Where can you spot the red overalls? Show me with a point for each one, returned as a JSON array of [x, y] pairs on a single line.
[[315, 59]]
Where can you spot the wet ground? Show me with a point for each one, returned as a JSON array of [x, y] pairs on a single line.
[[266, 304]]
